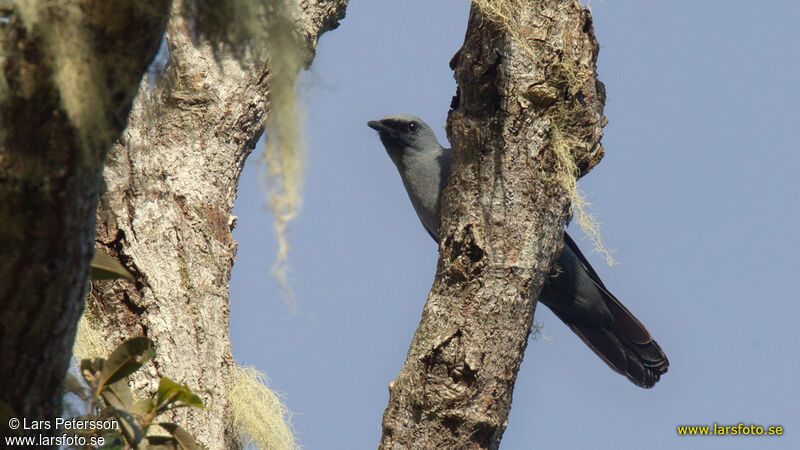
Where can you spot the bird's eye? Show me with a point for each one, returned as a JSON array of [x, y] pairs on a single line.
[[412, 127]]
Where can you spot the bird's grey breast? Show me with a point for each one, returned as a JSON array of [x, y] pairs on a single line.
[[424, 176]]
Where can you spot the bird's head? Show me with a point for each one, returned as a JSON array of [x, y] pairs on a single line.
[[403, 133]]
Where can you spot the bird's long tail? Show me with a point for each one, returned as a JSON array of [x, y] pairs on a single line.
[[602, 322], [626, 346]]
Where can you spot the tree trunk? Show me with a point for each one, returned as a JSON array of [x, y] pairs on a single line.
[[64, 99], [170, 183], [527, 120]]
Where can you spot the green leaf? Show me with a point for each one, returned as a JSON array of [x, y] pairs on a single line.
[[130, 430], [162, 443], [72, 385], [126, 359], [185, 440], [118, 395], [113, 441], [104, 267], [90, 370], [170, 392], [144, 407]]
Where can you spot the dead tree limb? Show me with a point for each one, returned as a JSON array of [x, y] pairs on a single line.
[[527, 119]]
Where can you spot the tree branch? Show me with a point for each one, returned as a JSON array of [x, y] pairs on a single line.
[[170, 184], [527, 90]]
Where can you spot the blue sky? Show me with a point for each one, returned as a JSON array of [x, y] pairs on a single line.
[[697, 193]]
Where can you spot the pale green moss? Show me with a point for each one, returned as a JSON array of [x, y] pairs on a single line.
[[77, 73], [285, 146], [257, 412], [89, 341]]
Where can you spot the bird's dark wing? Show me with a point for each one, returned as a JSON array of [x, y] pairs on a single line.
[[433, 235]]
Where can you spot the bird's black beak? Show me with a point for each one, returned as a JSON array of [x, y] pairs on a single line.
[[378, 126]]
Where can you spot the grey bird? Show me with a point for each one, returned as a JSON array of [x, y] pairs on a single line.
[[576, 295]]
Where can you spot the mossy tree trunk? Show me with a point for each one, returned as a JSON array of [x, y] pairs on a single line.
[[170, 184], [527, 89], [68, 74]]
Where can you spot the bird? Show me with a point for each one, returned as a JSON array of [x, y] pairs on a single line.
[[574, 293]]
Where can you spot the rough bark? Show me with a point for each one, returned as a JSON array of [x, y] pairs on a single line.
[[165, 211], [64, 98], [526, 87]]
